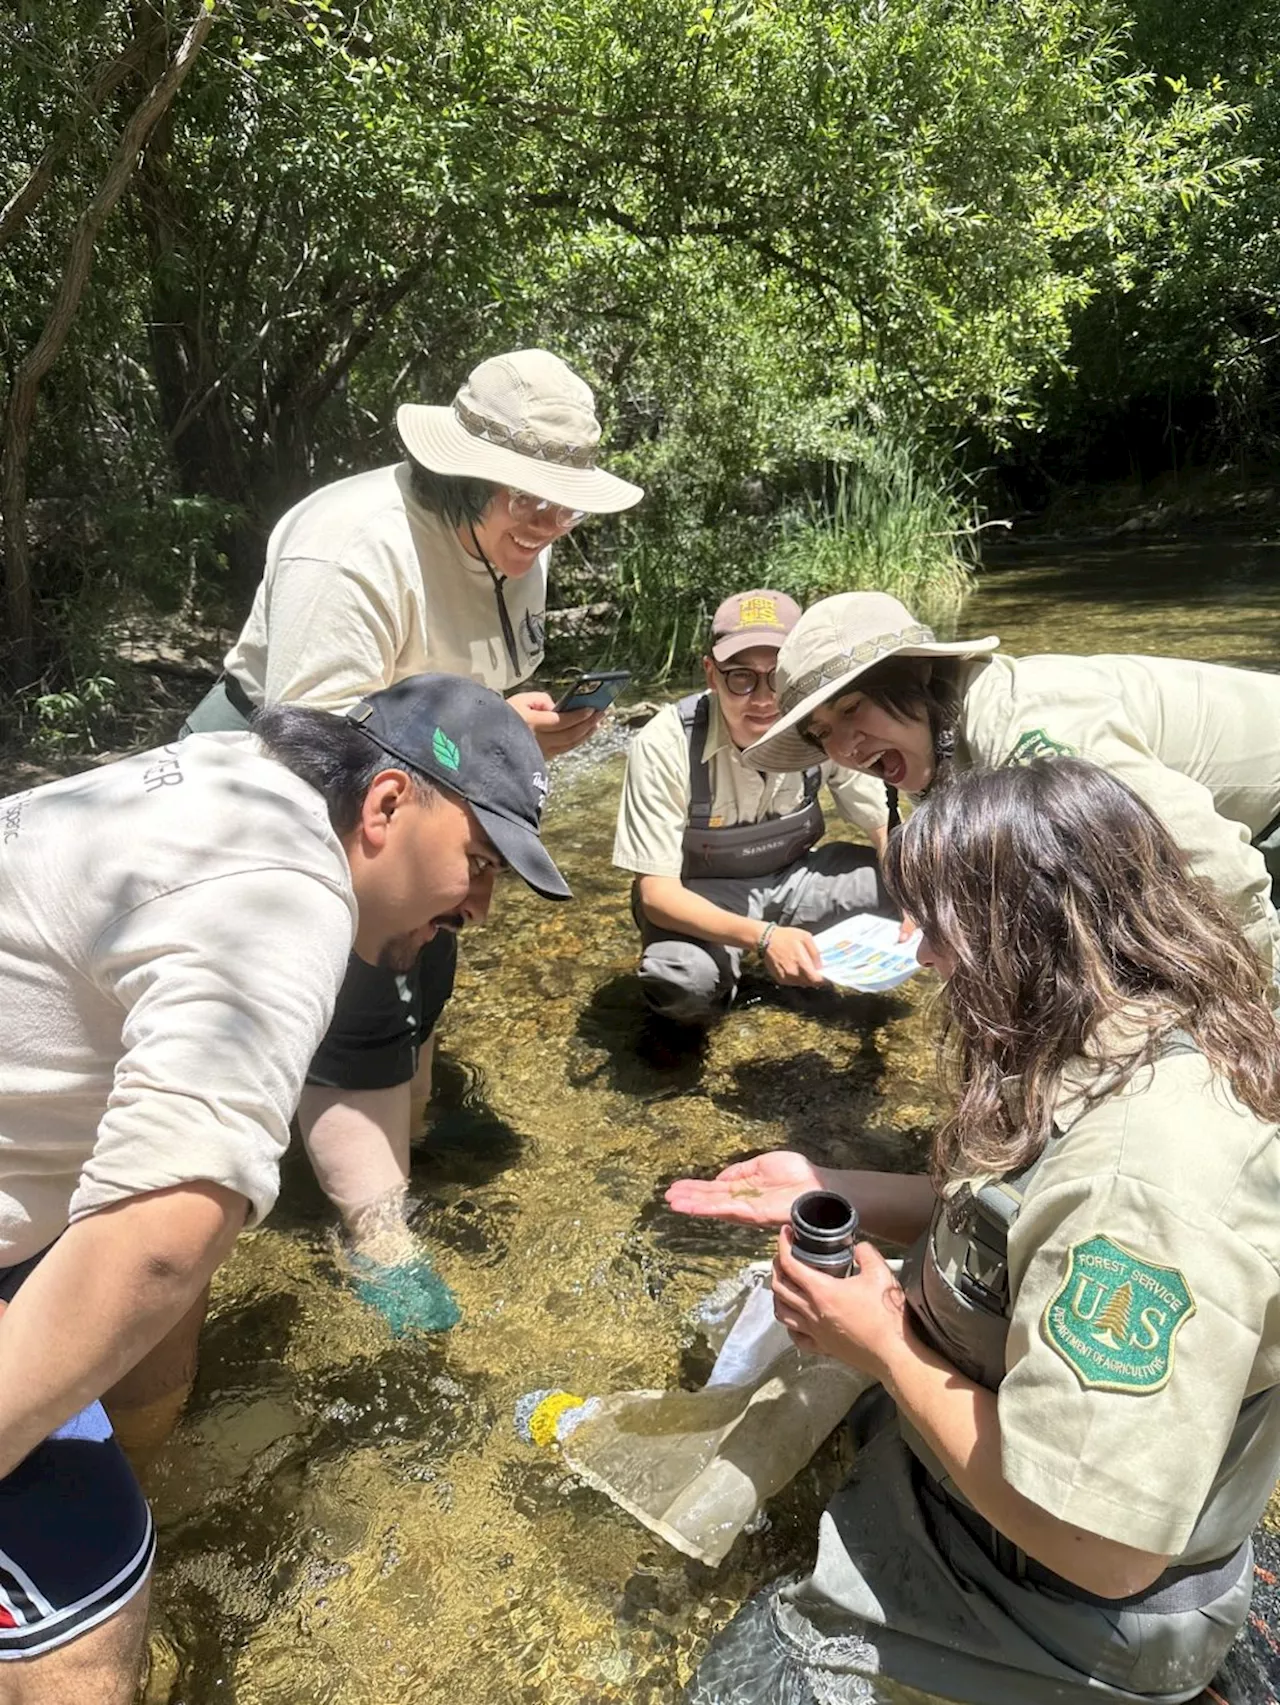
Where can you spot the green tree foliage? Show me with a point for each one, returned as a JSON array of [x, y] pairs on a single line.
[[764, 229], [1177, 354]]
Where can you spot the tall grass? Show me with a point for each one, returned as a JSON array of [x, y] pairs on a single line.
[[892, 523], [667, 588], [891, 520]]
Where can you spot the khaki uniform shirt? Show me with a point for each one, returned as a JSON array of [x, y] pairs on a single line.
[[363, 587], [656, 793], [1200, 744], [1144, 1270]]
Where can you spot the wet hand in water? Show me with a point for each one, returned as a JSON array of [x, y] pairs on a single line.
[[792, 957], [752, 1192], [555, 731], [860, 1320]]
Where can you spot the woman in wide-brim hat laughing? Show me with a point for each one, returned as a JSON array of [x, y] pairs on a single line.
[[524, 421], [436, 563], [864, 682]]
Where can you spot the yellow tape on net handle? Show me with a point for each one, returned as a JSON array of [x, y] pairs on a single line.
[[538, 1415]]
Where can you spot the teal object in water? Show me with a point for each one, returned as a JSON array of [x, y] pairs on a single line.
[[410, 1297]]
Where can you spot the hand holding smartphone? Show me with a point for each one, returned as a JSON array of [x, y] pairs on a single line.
[[594, 689]]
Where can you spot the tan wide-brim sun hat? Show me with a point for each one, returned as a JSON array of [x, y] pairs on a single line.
[[523, 420], [832, 644]]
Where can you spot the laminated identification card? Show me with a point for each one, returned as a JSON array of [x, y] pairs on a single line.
[[864, 953]]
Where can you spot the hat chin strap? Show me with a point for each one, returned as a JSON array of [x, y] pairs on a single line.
[[504, 615]]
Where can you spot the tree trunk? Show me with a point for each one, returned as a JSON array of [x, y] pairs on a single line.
[[20, 410], [29, 194]]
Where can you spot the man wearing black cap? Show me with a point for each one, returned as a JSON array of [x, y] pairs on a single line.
[[173, 932]]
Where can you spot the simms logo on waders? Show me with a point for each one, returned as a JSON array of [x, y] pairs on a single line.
[[1114, 1317]]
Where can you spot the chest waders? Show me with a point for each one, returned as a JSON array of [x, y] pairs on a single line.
[[912, 1583], [225, 708], [742, 849]]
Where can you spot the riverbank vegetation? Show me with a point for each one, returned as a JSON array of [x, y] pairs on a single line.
[[839, 273]]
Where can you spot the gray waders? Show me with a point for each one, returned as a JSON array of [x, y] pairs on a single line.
[[742, 849], [226, 707], [769, 870]]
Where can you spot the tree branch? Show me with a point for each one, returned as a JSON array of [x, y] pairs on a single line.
[[737, 230], [27, 197], [20, 411]]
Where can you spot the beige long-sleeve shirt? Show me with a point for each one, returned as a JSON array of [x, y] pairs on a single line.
[[363, 586], [173, 931], [1199, 743]]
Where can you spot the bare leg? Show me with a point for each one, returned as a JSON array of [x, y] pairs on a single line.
[[100, 1668], [420, 1088], [146, 1405], [358, 1141]]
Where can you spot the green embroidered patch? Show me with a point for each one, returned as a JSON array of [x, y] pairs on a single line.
[[445, 750], [1035, 743], [1114, 1317]]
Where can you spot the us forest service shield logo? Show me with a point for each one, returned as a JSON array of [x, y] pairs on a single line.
[[1114, 1318], [1035, 743]]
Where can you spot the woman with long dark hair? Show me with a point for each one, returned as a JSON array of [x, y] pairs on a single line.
[[1077, 1421]]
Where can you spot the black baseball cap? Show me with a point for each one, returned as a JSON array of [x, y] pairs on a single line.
[[467, 738]]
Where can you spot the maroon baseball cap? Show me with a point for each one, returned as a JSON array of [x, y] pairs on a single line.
[[751, 618]]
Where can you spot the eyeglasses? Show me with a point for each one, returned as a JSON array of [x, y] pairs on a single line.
[[522, 506], [742, 682]]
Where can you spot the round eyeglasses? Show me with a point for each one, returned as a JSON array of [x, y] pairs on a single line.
[[541, 513], [742, 682]]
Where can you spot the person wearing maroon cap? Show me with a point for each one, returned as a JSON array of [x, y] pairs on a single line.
[[725, 856]]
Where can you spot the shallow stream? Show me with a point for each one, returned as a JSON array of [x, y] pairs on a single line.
[[350, 1519]]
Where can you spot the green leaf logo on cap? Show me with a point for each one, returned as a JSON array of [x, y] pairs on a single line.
[[446, 752]]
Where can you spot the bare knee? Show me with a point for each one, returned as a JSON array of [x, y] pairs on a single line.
[[146, 1405], [101, 1667]]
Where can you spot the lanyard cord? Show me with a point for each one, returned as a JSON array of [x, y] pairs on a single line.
[[499, 581]]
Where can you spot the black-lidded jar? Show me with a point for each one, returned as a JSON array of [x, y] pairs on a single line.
[[824, 1227]]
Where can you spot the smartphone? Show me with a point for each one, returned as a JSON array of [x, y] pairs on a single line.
[[594, 689]]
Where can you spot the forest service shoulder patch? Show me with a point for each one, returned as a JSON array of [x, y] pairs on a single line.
[[1115, 1316], [1035, 743]]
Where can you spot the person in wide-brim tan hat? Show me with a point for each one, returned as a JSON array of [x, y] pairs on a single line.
[[523, 420], [436, 563], [865, 684], [832, 644]]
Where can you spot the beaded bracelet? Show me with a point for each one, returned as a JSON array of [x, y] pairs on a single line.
[[765, 935]]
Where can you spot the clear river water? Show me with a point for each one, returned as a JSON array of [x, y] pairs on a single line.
[[350, 1519]]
